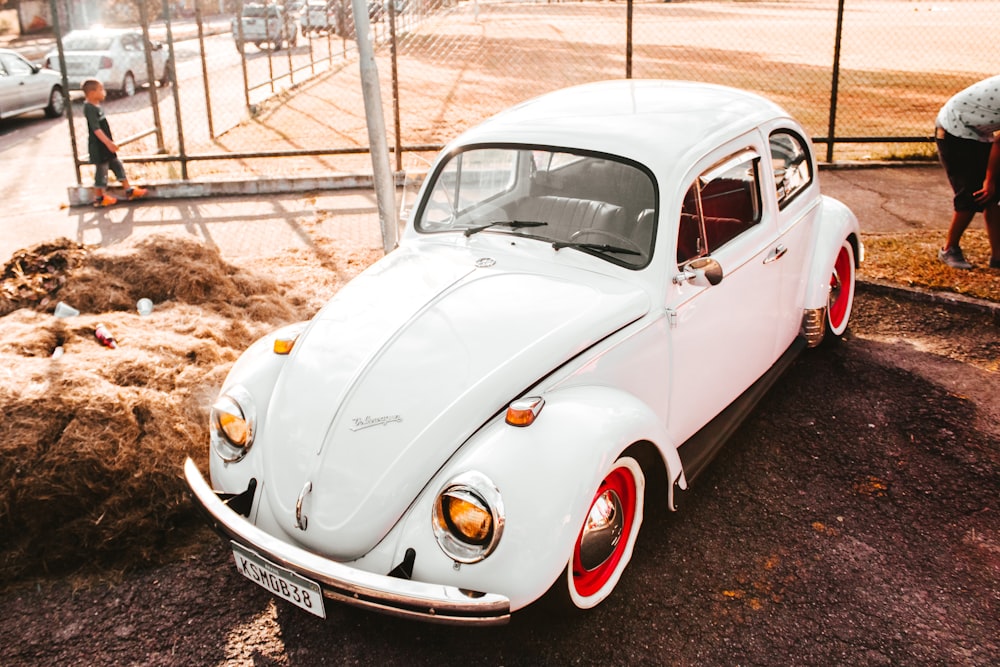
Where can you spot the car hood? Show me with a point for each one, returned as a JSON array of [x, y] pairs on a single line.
[[400, 368]]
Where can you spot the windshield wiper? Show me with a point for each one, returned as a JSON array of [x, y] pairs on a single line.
[[516, 224], [599, 247]]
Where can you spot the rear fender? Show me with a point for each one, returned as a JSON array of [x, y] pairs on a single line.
[[836, 224]]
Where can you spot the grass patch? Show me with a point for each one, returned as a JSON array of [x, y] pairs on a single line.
[[910, 259]]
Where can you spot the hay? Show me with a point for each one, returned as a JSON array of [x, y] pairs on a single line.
[[92, 442]]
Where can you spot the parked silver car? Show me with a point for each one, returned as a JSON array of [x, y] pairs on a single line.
[[116, 58], [26, 87], [265, 26]]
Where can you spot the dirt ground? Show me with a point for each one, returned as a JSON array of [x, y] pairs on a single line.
[[852, 520]]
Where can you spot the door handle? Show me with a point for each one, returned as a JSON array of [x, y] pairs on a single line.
[[777, 254]]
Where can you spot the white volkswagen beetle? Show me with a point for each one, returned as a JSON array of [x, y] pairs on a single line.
[[593, 290]]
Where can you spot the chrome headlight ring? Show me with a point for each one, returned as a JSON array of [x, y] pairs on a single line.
[[468, 517], [233, 424]]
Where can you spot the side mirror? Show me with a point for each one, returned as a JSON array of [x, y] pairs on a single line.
[[703, 272]]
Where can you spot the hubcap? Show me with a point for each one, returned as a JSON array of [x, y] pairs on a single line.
[[602, 531], [839, 294], [603, 540]]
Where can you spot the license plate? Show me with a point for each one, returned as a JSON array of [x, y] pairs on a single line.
[[276, 580]]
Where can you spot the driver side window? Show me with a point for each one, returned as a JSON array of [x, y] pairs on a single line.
[[720, 205]]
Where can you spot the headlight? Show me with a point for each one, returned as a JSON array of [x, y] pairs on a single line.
[[233, 423], [468, 517]]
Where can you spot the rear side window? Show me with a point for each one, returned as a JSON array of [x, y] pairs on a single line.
[[792, 165], [720, 205]]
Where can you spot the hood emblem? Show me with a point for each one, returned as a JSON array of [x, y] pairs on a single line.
[[485, 262], [361, 423]]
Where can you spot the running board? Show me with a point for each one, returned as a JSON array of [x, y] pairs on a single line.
[[701, 448]]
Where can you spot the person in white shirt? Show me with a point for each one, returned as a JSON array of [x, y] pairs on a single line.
[[968, 144]]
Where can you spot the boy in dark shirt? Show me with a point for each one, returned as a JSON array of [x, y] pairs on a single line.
[[102, 148]]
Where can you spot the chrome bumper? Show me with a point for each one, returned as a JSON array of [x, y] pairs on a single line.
[[382, 593]]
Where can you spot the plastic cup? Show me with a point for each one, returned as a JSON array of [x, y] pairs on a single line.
[[144, 306], [63, 309]]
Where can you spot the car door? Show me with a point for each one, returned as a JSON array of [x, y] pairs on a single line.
[[133, 58], [8, 91], [722, 336], [19, 89]]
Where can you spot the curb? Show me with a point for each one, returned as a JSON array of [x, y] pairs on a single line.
[[948, 299], [83, 195]]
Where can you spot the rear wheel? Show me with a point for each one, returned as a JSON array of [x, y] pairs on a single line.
[[841, 302], [165, 79], [56, 103], [128, 85], [604, 545]]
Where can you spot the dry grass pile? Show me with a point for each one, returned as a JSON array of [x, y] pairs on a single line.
[[910, 259], [92, 442]]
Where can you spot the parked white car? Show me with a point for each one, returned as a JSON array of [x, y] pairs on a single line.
[[593, 290], [26, 87], [265, 26], [115, 57], [319, 17]]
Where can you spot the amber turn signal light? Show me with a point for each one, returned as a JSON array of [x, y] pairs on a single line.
[[284, 345], [524, 411]]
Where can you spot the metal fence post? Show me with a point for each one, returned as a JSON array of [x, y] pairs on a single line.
[[395, 86], [154, 98], [628, 40], [57, 25], [242, 45], [385, 186], [199, 19], [835, 85], [177, 96]]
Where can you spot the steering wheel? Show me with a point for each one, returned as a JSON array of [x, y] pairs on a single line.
[[619, 239]]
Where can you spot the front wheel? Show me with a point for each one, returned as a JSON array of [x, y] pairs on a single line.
[[604, 545], [57, 104], [165, 79], [841, 301]]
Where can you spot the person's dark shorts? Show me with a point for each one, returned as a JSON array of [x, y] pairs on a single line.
[[964, 161], [101, 172]]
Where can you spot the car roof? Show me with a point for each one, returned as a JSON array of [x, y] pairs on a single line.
[[110, 32], [632, 118]]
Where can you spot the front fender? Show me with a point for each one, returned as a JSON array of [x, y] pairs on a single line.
[[547, 474], [836, 224], [257, 371]]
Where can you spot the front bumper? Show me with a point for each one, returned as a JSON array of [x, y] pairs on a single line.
[[390, 595]]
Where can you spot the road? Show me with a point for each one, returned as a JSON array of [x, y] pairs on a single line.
[[37, 153]]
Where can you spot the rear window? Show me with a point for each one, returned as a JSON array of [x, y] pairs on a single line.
[[90, 42], [259, 11]]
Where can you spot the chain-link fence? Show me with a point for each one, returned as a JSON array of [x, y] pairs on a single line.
[[278, 92]]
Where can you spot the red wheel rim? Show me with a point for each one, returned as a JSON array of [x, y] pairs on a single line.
[[841, 284], [620, 482]]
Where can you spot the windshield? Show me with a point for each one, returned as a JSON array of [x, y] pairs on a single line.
[[598, 204]]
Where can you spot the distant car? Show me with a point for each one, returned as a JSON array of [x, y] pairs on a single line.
[[26, 87], [265, 25], [115, 57], [319, 17], [594, 289]]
